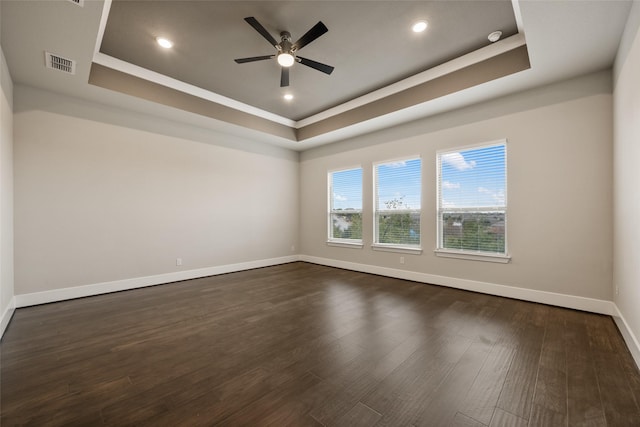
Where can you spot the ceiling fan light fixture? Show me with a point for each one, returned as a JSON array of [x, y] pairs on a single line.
[[419, 26], [286, 59], [165, 43]]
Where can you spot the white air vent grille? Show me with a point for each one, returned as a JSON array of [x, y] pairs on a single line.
[[57, 62], [78, 2]]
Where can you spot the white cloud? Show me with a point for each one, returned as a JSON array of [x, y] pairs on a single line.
[[396, 164], [339, 197], [498, 196], [456, 160], [447, 204], [450, 185]]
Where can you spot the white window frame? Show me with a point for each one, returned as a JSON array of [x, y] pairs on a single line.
[[462, 253], [337, 242], [394, 247]]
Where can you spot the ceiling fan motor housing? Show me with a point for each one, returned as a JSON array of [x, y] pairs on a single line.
[[285, 43]]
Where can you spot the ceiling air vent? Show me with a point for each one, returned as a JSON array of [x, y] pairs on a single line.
[[78, 2], [57, 62]]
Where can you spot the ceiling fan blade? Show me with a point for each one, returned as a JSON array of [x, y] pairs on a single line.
[[253, 58], [327, 69], [259, 28], [315, 32], [284, 77]]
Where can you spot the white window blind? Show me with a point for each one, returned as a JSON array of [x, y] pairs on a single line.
[[472, 199], [345, 205], [397, 203]]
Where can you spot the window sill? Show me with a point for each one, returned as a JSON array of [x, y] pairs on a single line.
[[473, 256], [345, 244], [399, 249]]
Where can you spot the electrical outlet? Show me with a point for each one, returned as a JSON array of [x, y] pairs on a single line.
[[401, 260], [617, 290], [293, 248], [178, 261]]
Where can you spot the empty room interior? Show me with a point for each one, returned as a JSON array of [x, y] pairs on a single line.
[[320, 213]]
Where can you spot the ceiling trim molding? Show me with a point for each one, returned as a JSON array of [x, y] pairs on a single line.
[[120, 81], [106, 7], [161, 79], [518, 15], [449, 67], [465, 72], [507, 63]]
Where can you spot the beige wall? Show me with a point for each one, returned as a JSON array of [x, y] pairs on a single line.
[[626, 276], [6, 193], [102, 200], [559, 188]]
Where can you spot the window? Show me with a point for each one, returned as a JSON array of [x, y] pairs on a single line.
[[345, 206], [397, 204], [472, 202]]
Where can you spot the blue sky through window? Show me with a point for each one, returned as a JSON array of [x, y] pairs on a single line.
[[473, 178], [399, 180], [347, 189]]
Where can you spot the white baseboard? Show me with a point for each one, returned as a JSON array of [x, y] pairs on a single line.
[[628, 335], [36, 298], [6, 316], [561, 300], [550, 298]]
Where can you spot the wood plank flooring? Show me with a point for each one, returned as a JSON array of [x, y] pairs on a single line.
[[306, 345]]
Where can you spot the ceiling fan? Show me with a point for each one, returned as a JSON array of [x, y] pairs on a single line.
[[286, 55]]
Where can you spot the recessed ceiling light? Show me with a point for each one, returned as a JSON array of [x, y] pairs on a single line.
[[495, 36], [288, 96], [165, 43], [419, 26]]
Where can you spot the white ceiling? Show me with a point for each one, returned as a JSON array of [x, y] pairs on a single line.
[[564, 39]]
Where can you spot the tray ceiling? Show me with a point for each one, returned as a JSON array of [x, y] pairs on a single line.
[[370, 44]]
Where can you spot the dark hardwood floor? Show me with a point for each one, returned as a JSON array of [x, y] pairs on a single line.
[[306, 345]]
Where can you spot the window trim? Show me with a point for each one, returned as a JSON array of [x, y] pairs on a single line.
[[395, 247], [462, 253], [473, 256], [392, 247], [335, 241], [346, 243]]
